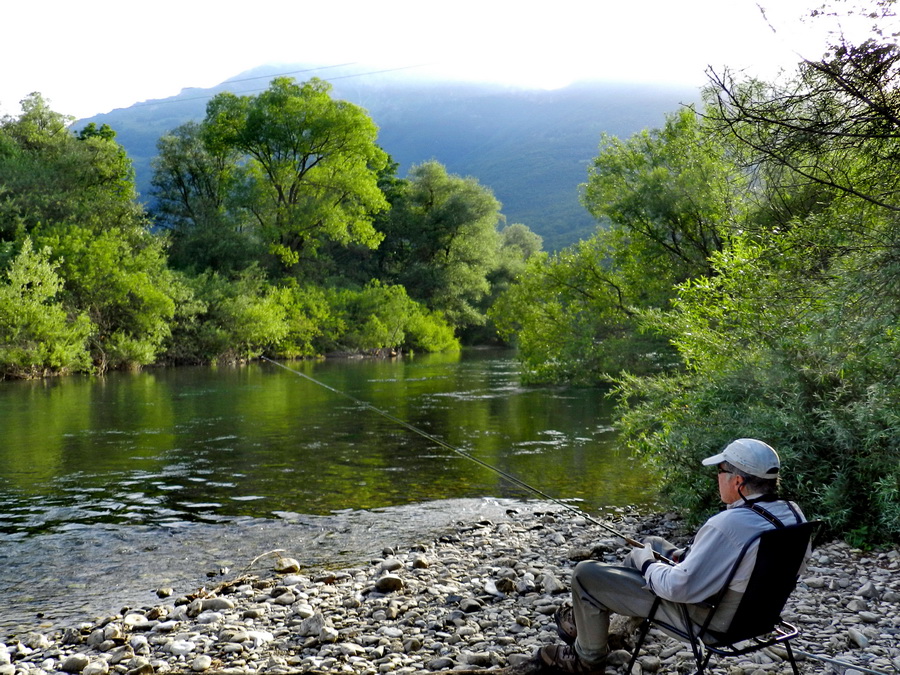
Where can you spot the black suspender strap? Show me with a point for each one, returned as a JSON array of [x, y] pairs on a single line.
[[754, 506]]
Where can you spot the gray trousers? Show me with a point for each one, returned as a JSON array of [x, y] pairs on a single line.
[[599, 589]]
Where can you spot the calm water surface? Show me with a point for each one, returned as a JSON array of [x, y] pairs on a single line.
[[111, 487]]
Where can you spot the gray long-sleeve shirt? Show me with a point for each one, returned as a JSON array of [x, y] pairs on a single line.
[[716, 547]]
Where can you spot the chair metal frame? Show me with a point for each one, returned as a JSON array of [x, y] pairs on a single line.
[[757, 622]]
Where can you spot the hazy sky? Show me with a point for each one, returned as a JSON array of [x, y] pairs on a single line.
[[90, 58]]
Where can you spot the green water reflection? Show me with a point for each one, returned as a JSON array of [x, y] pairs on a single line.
[[216, 443]]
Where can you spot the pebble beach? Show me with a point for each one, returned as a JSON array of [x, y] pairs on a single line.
[[480, 596]]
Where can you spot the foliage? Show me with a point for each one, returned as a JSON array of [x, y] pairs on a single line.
[[759, 240], [310, 319], [198, 194], [813, 374], [518, 244], [670, 198], [75, 196], [37, 337], [673, 191], [441, 242], [569, 321], [120, 280], [382, 317], [309, 162], [241, 318], [793, 337], [230, 319], [48, 175]]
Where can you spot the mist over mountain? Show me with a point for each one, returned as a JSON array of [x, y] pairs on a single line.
[[531, 147]]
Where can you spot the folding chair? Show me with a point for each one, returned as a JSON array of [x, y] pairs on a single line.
[[757, 622]]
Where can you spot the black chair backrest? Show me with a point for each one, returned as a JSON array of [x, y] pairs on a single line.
[[773, 579]]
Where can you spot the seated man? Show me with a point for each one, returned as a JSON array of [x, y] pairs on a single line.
[[748, 483]]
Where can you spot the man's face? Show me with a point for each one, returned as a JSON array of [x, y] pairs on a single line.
[[729, 484]]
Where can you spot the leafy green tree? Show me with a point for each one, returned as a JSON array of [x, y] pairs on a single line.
[[383, 318], [667, 199], [793, 337], [811, 368], [569, 317], [75, 195], [37, 335], [231, 319], [441, 242], [121, 281], [312, 165], [311, 319], [673, 193], [197, 193], [49, 175], [517, 246]]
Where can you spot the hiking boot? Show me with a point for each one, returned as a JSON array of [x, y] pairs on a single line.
[[565, 624], [563, 659]]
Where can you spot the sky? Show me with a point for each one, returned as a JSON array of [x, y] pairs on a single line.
[[91, 58]]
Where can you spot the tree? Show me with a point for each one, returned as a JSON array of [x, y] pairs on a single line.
[[667, 200], [518, 244], [121, 281], [49, 175], [673, 192], [197, 194], [312, 165], [570, 319], [793, 337], [441, 242], [382, 318], [37, 335], [75, 196], [229, 320]]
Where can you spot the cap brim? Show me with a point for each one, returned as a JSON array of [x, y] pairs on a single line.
[[715, 459]]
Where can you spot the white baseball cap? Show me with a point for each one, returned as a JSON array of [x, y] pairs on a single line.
[[749, 455]]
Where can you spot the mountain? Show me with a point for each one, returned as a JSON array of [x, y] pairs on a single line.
[[531, 147]]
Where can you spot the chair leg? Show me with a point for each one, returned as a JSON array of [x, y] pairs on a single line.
[[696, 647], [790, 653], [642, 635], [705, 662], [645, 627]]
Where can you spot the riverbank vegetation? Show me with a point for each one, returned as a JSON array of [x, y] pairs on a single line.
[[278, 226], [747, 284]]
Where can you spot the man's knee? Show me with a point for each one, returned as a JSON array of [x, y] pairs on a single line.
[[596, 577]]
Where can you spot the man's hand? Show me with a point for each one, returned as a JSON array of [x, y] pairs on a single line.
[[643, 557]]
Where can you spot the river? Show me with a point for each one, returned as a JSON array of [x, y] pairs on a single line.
[[112, 487]]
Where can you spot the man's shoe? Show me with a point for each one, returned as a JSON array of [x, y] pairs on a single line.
[[565, 624], [563, 659]]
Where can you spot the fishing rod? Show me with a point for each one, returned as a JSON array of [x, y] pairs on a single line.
[[444, 444]]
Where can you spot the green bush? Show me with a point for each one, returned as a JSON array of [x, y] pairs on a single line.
[[308, 317], [228, 320], [384, 317], [816, 375], [37, 336]]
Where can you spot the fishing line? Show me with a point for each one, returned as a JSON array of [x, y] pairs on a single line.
[[522, 484], [444, 444], [838, 662]]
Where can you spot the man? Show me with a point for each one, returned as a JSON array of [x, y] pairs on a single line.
[[748, 483]]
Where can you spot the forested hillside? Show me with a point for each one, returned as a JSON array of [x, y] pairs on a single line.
[[531, 148]]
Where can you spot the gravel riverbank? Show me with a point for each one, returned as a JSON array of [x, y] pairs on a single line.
[[481, 596]]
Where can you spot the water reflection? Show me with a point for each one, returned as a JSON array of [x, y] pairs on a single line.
[[88, 463], [203, 444]]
